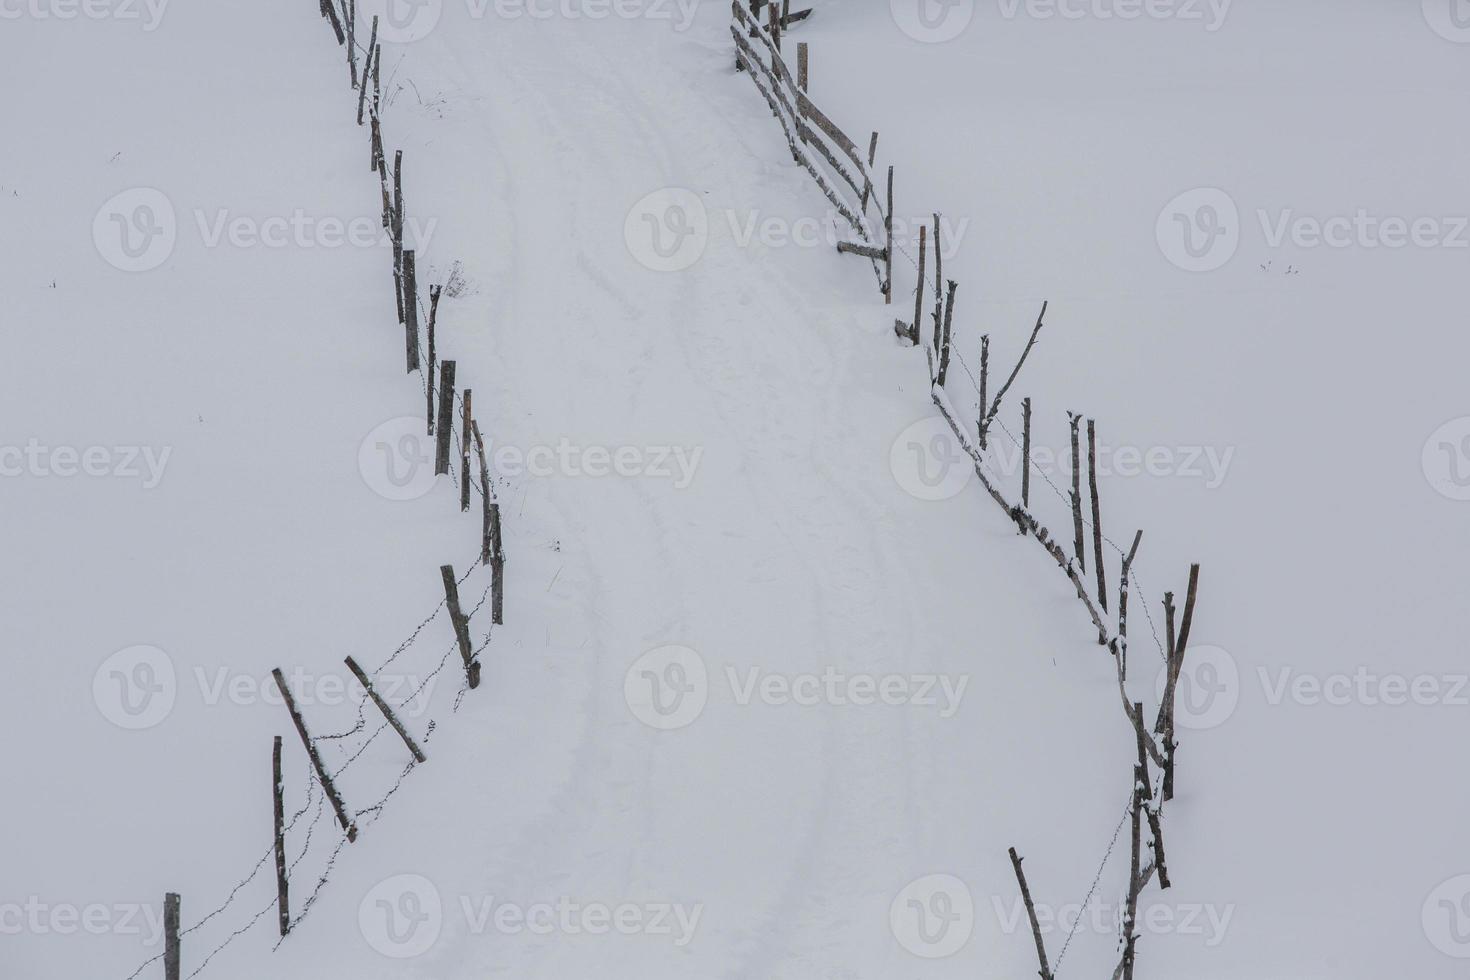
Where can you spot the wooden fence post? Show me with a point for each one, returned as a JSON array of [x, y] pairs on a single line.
[[171, 903], [397, 229], [446, 417], [330, 12], [434, 292], [803, 65], [461, 625], [283, 895], [464, 454], [919, 289], [1046, 973], [984, 383], [944, 332], [938, 282], [411, 309], [1097, 537], [362, 89], [491, 552], [351, 14], [322, 775], [1026, 453], [1077, 546], [362, 678], [888, 257]]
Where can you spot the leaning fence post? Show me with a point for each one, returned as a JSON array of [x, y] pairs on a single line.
[[464, 454], [446, 417], [1016, 859], [429, 371], [362, 678], [461, 625], [1081, 549], [397, 229], [171, 936], [322, 775], [366, 69], [283, 899], [868, 180]]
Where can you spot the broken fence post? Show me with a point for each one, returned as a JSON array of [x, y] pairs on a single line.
[[362, 678], [322, 775], [461, 624], [446, 417], [283, 898]]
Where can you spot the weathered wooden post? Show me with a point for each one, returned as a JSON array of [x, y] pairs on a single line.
[[367, 685], [171, 936], [461, 624], [867, 177], [1097, 535], [283, 896], [919, 289], [366, 69], [329, 11], [1073, 419], [322, 775], [411, 309], [944, 332], [888, 249], [803, 65], [938, 281], [464, 453], [434, 292], [1026, 453], [984, 384], [1046, 973], [397, 229], [491, 551], [445, 425], [351, 14]]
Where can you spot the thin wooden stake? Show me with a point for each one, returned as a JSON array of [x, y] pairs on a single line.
[[283, 897], [944, 331], [1079, 549], [995, 405], [919, 289], [1026, 453], [461, 624], [1097, 535], [1135, 882], [397, 229], [1046, 973], [867, 178], [938, 283], [487, 496], [362, 678], [492, 552], [322, 775], [171, 903], [445, 424], [984, 383], [351, 15]]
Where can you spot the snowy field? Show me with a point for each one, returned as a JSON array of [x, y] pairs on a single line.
[[716, 470]]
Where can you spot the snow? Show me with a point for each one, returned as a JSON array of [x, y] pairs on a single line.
[[767, 542]]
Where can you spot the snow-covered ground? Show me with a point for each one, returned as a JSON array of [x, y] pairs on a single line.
[[759, 531]]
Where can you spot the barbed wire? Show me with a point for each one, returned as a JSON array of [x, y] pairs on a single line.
[[1096, 880]]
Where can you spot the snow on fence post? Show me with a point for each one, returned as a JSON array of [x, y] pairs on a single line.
[[464, 453], [367, 685], [283, 888], [171, 903], [322, 775], [445, 425], [461, 624]]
